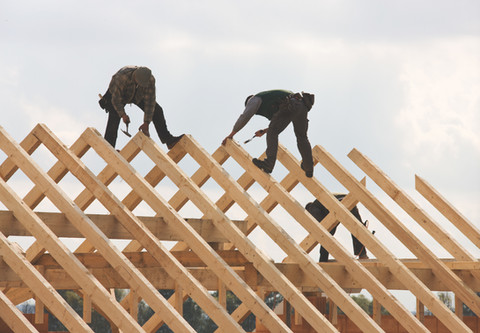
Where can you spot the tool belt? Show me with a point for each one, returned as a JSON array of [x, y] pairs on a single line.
[[286, 102]]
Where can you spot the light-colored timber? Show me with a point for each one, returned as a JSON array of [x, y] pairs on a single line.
[[212, 251]]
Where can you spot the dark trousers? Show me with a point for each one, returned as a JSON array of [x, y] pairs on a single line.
[[294, 112], [358, 248], [113, 121]]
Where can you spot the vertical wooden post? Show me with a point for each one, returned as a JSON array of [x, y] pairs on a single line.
[[333, 312], [133, 299], [87, 308], [297, 318], [39, 310], [420, 311], [377, 311], [222, 294], [178, 299], [114, 328], [458, 307], [39, 306]]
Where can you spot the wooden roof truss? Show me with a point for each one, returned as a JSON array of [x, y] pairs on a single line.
[[213, 252]]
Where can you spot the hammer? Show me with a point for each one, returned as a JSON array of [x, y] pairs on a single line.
[[126, 132]]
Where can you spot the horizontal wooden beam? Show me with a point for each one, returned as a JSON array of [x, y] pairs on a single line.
[[112, 228], [161, 280]]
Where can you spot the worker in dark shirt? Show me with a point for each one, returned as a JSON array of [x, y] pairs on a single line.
[[132, 84], [281, 107]]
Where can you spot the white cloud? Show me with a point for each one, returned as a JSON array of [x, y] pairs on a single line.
[[65, 125], [442, 99]]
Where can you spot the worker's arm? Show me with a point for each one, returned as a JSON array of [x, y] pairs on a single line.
[[251, 108], [230, 136], [117, 102], [144, 128]]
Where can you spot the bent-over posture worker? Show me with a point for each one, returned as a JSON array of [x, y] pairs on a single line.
[[133, 84], [319, 212], [281, 107]]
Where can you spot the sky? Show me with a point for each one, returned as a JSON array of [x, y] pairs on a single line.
[[399, 81]]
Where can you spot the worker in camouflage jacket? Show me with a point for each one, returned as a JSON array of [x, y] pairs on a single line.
[[281, 107], [132, 84]]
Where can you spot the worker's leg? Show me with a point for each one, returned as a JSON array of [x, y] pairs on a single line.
[[358, 248], [160, 124], [300, 127], [279, 122], [323, 251], [111, 131]]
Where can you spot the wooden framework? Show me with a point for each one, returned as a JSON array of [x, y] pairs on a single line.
[[214, 252]]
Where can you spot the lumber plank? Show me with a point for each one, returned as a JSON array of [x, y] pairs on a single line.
[[252, 208], [154, 272], [48, 239], [448, 210], [44, 291], [112, 228], [405, 236], [156, 202]]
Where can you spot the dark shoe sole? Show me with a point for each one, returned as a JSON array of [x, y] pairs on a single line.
[[309, 174], [171, 144], [261, 165]]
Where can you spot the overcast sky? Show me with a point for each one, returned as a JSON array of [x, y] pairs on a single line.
[[400, 81]]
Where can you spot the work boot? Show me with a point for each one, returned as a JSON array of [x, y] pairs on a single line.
[[173, 141], [262, 165], [309, 174]]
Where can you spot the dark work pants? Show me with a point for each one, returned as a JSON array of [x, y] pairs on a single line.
[[358, 248], [297, 113], [113, 122]]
